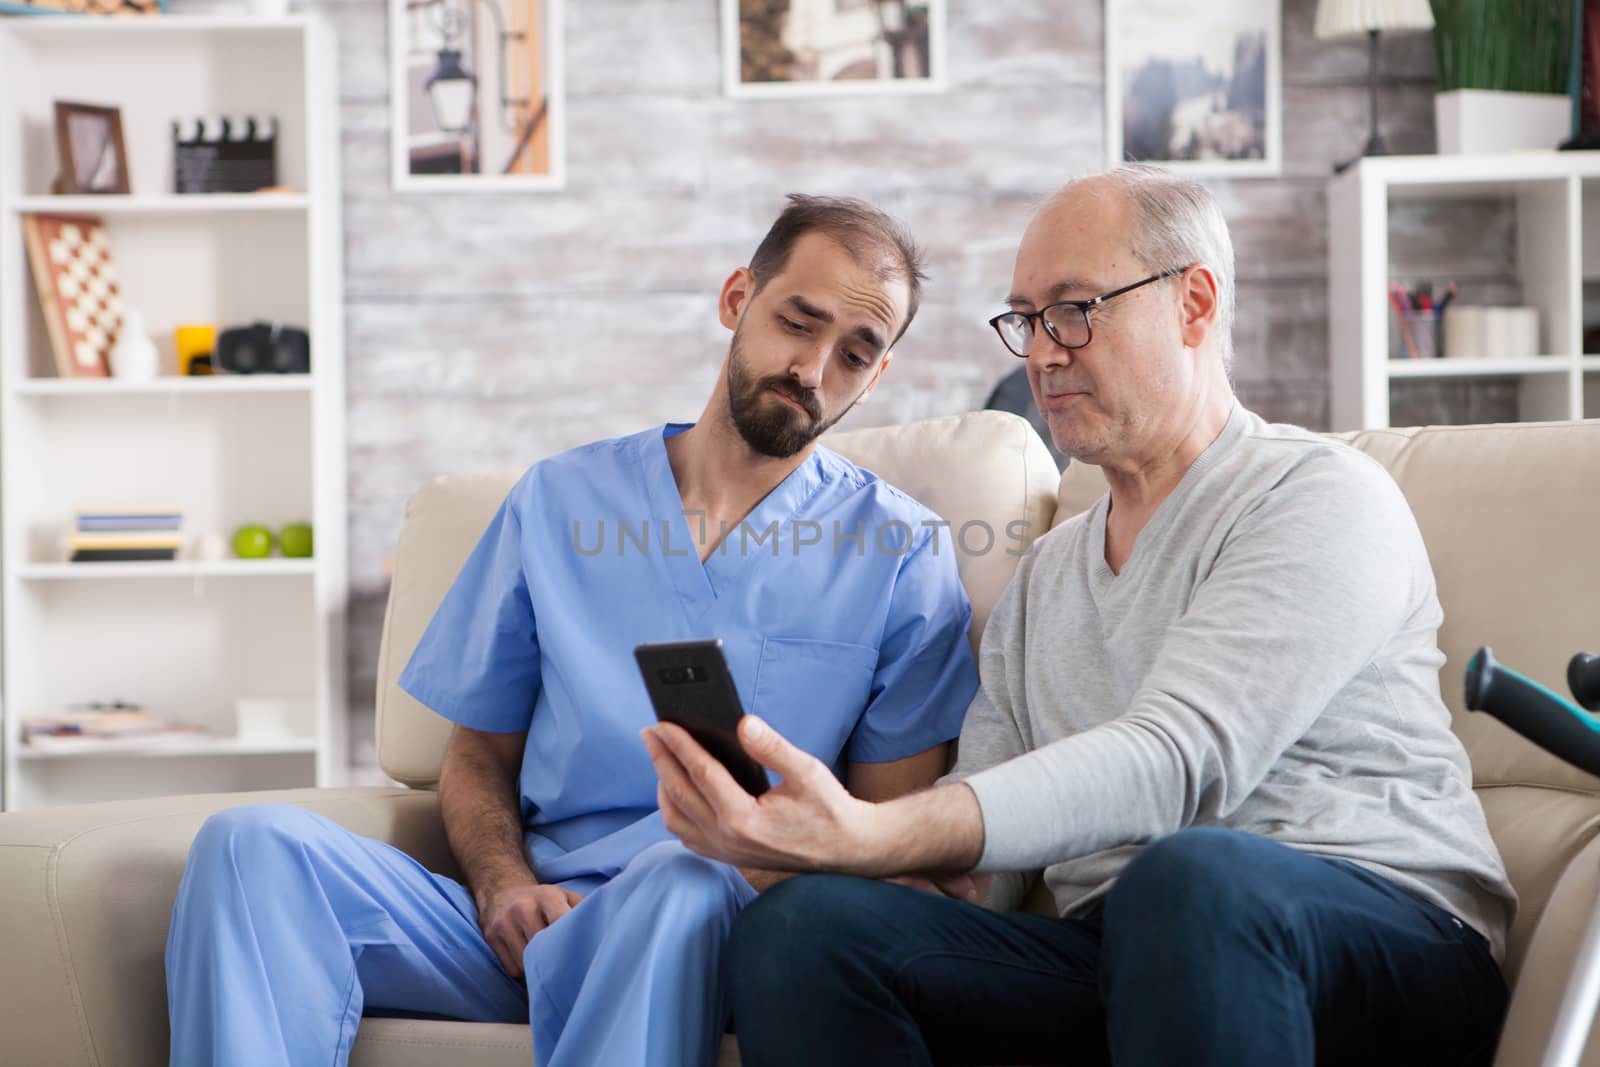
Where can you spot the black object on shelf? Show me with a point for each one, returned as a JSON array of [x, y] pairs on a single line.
[[237, 154], [263, 348]]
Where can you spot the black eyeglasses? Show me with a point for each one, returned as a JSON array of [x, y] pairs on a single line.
[[1067, 321]]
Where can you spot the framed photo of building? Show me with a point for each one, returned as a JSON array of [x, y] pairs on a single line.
[[476, 95], [822, 47], [1197, 87]]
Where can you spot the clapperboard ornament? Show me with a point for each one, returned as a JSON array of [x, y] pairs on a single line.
[[225, 154]]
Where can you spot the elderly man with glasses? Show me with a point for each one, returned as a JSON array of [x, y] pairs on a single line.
[[1209, 711]]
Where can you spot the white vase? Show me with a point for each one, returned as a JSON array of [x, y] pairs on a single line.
[[1472, 121], [134, 357]]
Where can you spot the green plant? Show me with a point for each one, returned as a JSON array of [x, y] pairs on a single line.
[[1521, 46]]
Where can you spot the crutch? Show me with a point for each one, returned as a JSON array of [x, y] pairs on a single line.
[[1567, 731]]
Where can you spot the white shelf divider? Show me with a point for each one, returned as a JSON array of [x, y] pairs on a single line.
[[1478, 368], [203, 745], [157, 569], [170, 204], [168, 385]]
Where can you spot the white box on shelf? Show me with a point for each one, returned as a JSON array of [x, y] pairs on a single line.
[[1471, 121], [264, 720], [1491, 332]]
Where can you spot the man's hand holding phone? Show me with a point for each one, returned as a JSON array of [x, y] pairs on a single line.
[[808, 822]]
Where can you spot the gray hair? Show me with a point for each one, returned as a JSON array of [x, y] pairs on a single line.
[[1176, 222]]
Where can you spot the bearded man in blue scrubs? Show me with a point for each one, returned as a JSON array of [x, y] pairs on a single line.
[[843, 622]]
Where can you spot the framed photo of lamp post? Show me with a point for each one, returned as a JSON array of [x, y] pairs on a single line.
[[476, 95], [778, 48], [1197, 87]]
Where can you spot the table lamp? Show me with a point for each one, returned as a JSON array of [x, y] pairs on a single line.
[[1351, 18]]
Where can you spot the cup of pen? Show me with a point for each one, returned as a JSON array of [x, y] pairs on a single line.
[[1415, 334], [1418, 311]]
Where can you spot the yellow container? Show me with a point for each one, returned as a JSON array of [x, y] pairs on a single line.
[[193, 341]]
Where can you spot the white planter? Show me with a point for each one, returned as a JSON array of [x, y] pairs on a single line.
[[1470, 121]]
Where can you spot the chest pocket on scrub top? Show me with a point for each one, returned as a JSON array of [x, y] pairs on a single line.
[[813, 692]]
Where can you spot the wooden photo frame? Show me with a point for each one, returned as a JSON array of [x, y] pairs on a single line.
[[89, 144], [832, 47], [1195, 87], [477, 95]]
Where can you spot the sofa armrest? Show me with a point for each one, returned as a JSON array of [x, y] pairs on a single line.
[[86, 896], [1547, 966]]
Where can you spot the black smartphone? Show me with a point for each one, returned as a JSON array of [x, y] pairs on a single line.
[[689, 684]]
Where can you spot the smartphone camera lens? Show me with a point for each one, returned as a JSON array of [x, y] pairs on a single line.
[[681, 675]]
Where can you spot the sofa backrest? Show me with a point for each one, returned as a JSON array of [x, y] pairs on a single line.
[[1511, 517], [985, 467]]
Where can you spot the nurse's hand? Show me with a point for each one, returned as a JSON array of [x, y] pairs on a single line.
[[511, 916], [808, 822], [972, 888]]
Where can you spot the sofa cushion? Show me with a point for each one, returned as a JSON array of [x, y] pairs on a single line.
[[986, 466], [1538, 830], [419, 1043]]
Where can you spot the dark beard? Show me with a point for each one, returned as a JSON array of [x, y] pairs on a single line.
[[768, 425]]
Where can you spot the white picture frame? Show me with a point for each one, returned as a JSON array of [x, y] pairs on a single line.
[[522, 125], [835, 37], [1147, 39]]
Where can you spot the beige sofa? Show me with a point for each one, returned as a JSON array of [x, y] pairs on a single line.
[[1508, 513]]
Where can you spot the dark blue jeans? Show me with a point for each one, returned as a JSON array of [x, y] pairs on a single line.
[[1213, 948]]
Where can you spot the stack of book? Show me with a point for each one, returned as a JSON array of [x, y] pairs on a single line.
[[97, 726], [120, 536]]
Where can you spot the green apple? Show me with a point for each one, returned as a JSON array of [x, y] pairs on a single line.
[[295, 540], [252, 542]]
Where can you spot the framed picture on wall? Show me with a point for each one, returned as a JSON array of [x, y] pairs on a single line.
[[1195, 86], [476, 95], [822, 47], [82, 7]]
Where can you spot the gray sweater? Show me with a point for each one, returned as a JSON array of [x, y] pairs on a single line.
[[1267, 661]]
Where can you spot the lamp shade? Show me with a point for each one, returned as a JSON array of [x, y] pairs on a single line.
[[1349, 18]]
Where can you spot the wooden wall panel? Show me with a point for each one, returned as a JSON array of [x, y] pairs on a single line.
[[489, 331]]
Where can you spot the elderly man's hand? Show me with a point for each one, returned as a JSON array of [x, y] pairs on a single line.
[[808, 822]]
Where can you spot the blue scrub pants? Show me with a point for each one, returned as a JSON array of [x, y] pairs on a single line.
[[288, 926], [1213, 949]]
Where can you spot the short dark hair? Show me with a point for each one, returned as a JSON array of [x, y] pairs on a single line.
[[861, 229]]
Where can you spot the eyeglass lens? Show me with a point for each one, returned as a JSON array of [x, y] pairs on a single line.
[[1067, 323]]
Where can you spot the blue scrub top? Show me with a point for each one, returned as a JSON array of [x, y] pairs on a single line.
[[837, 601]]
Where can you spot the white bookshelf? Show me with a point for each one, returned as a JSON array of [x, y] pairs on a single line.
[[1555, 200], [189, 638]]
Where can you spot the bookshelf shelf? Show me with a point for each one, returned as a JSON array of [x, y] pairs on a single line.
[[1550, 202], [174, 204], [1478, 368], [100, 572], [203, 746], [168, 386], [225, 451]]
